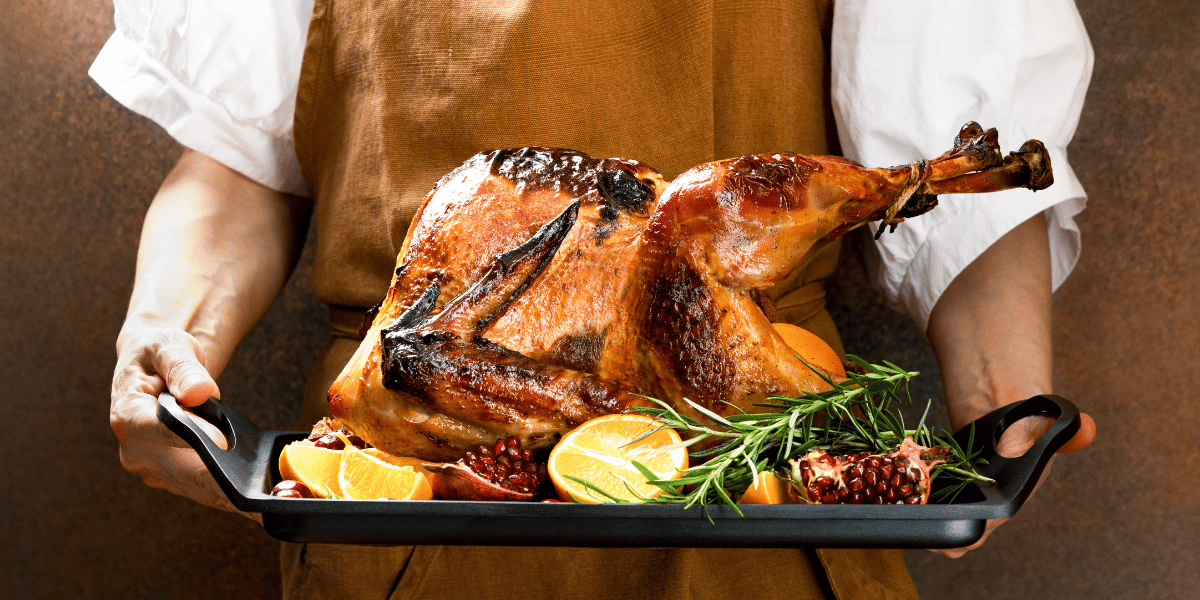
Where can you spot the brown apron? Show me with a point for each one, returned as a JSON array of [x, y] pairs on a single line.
[[393, 95]]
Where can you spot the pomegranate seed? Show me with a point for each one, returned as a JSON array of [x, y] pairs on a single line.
[[894, 476], [330, 441], [290, 488]]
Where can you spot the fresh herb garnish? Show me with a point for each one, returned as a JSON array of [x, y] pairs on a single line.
[[856, 415]]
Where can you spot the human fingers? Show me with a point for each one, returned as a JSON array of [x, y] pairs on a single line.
[[1014, 442], [134, 417], [1082, 438], [179, 471], [177, 357], [140, 377]]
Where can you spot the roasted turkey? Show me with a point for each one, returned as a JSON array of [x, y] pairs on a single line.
[[538, 288]]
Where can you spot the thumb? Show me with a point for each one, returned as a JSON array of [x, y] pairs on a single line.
[[180, 362], [1022, 435]]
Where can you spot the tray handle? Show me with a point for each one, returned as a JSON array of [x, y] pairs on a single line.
[[1018, 476], [234, 469]]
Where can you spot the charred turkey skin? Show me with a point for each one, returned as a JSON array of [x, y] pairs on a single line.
[[539, 287]]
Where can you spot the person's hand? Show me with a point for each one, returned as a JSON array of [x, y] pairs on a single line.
[[1014, 442], [150, 361], [990, 331]]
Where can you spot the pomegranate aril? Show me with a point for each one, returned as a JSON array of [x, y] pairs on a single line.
[[330, 441], [290, 488], [893, 477], [507, 465]]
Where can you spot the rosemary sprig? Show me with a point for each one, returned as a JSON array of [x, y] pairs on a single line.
[[856, 415]]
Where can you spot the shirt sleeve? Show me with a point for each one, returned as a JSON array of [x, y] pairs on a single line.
[[219, 76], [908, 75]]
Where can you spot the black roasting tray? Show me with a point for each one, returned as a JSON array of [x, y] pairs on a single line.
[[248, 470]]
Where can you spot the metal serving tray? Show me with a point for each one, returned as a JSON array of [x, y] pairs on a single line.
[[248, 470]]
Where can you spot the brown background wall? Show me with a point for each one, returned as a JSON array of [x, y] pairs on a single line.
[[77, 172]]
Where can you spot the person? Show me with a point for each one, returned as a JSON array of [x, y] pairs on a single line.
[[385, 101]]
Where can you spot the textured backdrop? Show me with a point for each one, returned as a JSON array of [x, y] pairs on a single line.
[[77, 173]]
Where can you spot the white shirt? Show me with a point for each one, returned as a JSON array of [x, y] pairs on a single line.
[[220, 76]]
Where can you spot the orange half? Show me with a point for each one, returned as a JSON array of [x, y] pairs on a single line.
[[602, 451]]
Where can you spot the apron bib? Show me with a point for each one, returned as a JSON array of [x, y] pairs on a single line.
[[393, 95]]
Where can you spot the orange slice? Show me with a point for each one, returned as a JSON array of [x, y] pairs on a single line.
[[811, 348], [317, 468], [767, 489], [365, 477], [601, 452]]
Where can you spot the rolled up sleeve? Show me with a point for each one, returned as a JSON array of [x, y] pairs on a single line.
[[907, 76], [219, 76]]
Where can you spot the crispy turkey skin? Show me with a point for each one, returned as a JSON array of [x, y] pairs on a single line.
[[539, 288]]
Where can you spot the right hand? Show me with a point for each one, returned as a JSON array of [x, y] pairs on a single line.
[[148, 362]]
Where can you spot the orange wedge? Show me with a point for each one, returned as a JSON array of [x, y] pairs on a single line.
[[317, 468], [768, 488], [365, 477], [811, 348], [601, 452]]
